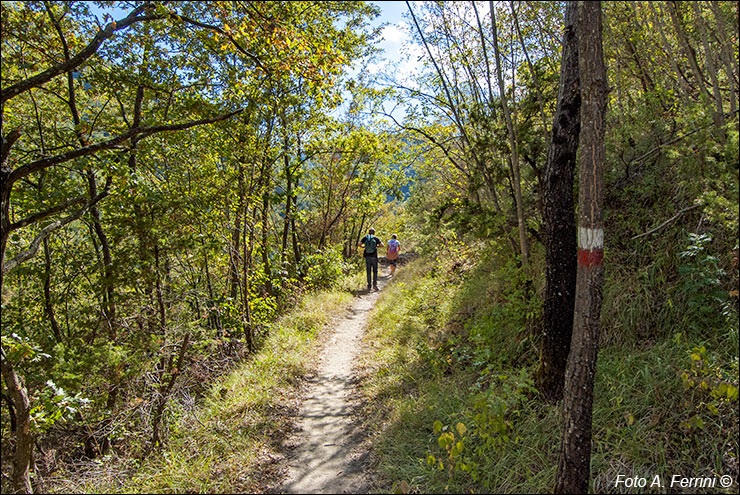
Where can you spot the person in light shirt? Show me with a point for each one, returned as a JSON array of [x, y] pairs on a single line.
[[392, 255]]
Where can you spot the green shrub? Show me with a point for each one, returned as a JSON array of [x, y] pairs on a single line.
[[323, 268]]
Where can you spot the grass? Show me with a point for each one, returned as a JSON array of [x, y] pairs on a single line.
[[444, 339], [231, 442]]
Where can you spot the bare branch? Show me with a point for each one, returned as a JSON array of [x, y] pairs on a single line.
[[681, 212], [432, 140]]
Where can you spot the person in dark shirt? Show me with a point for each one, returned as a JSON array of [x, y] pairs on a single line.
[[371, 243]]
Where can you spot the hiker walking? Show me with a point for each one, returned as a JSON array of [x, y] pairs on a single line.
[[392, 255], [371, 244]]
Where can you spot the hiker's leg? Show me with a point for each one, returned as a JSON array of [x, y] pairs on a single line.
[[368, 268], [375, 272]]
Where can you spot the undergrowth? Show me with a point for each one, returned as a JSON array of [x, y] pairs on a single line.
[[448, 380], [231, 440]]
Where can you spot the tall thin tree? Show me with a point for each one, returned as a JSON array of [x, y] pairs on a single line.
[[575, 447], [559, 220]]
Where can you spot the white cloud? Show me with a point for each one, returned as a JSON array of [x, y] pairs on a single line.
[[394, 33]]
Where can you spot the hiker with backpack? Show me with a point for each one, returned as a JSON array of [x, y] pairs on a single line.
[[371, 244], [392, 255]]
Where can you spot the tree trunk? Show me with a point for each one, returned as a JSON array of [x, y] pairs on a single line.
[[514, 157], [235, 233], [173, 370], [246, 267], [266, 173], [717, 117], [559, 220], [575, 448], [6, 143], [108, 282], [535, 77], [296, 245], [23, 437], [712, 67], [48, 306], [726, 52], [668, 48], [288, 194]]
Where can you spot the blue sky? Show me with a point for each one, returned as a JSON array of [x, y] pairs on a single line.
[[395, 36]]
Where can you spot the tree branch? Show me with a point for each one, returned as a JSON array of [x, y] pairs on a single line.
[[139, 132], [681, 212], [233, 41], [49, 229], [432, 140], [79, 58], [7, 143], [43, 214]]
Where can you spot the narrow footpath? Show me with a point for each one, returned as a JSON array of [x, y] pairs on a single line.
[[329, 456]]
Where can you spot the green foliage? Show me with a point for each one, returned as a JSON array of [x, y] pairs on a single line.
[[700, 288], [515, 309], [707, 388], [53, 405], [493, 422], [188, 241], [323, 268]]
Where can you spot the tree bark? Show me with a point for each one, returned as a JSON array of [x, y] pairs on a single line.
[[233, 276], [23, 437], [267, 171], [108, 279], [288, 193], [575, 448], [514, 157], [682, 84], [173, 370], [559, 220], [712, 67], [48, 305]]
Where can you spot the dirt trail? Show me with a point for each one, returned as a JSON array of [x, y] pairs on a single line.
[[329, 456]]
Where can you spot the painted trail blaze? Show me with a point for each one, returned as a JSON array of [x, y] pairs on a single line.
[[590, 247]]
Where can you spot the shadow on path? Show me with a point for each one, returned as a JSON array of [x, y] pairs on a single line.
[[328, 455]]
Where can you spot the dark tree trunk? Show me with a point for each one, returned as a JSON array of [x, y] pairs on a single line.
[[265, 229], [48, 305], [575, 448], [6, 143], [296, 245], [23, 437], [173, 370], [288, 196], [109, 295], [246, 267], [233, 276], [559, 221]]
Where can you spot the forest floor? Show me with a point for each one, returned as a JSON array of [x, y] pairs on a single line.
[[329, 453]]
